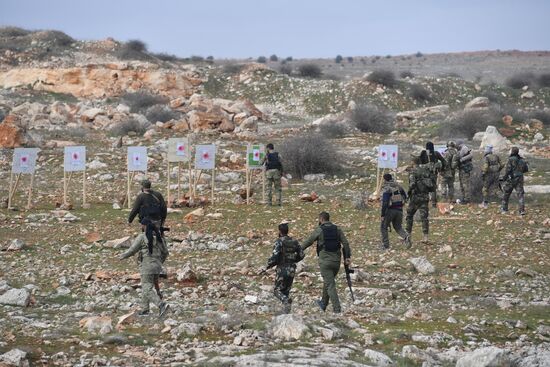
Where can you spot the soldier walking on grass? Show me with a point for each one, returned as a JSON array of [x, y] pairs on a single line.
[[515, 168], [448, 171], [150, 205], [287, 252], [273, 174], [331, 245], [393, 199], [437, 165], [465, 167], [490, 172], [420, 185], [152, 251]]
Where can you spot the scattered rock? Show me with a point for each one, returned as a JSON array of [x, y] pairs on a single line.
[[478, 102], [126, 320], [379, 359], [288, 327], [194, 215], [186, 273], [485, 357], [97, 324], [422, 265], [493, 137], [15, 357], [528, 95], [16, 245], [124, 242], [16, 297]]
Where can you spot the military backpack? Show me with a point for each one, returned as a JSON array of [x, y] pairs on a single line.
[[424, 179], [291, 253]]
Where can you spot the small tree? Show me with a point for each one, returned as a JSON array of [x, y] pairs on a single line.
[[289, 58], [310, 71], [350, 59], [273, 58], [372, 119], [406, 74], [420, 93], [419, 54], [285, 69], [261, 60], [307, 154], [338, 59], [384, 77]]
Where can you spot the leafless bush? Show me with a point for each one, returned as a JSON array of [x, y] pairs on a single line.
[[310, 71], [541, 115], [520, 80], [133, 50], [141, 101], [384, 77], [406, 74], [161, 113], [232, 69], [332, 130], [307, 154], [285, 69], [543, 80], [372, 119], [420, 93], [125, 127], [13, 32], [467, 123]]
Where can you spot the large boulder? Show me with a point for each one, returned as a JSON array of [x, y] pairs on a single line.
[[478, 102], [493, 137], [422, 265], [16, 297], [485, 357], [15, 357], [379, 359], [11, 136], [288, 327], [200, 121]]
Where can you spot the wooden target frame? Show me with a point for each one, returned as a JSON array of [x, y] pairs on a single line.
[[69, 168], [201, 165], [132, 168], [254, 157], [180, 152], [24, 162]]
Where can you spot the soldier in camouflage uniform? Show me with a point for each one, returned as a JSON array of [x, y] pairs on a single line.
[[393, 198], [331, 245], [515, 168], [273, 174], [465, 167], [448, 172], [490, 172], [152, 252], [437, 165], [286, 253], [420, 185]]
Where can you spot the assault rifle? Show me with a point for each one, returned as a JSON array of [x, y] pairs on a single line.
[[349, 271]]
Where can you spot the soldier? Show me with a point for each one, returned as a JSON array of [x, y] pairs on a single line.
[[449, 169], [393, 199], [273, 174], [490, 172], [516, 167], [330, 240], [420, 185], [437, 165], [286, 253], [152, 252], [149, 205], [465, 166]]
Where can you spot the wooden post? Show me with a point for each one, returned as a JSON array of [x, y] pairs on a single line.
[[64, 187], [128, 189], [13, 190], [263, 184], [213, 183], [179, 181], [84, 186], [29, 202], [10, 192], [168, 188], [247, 180], [191, 193]]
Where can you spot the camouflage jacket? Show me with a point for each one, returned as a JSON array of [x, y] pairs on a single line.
[[150, 263], [285, 255], [491, 163]]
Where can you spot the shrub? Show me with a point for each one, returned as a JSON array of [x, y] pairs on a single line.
[[13, 32], [161, 113], [141, 101], [372, 119], [350, 59], [511, 110], [133, 50], [332, 130], [273, 58], [338, 59], [59, 38], [136, 45], [210, 58], [285, 69], [520, 80], [166, 57], [419, 54], [384, 77], [467, 123], [125, 127], [310, 71], [307, 154], [233, 69], [289, 58], [196, 58], [420, 93], [544, 80], [406, 74], [261, 60], [541, 115]]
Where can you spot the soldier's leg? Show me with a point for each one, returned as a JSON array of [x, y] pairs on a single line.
[[467, 193], [268, 184], [521, 197], [277, 186], [508, 187], [157, 286], [485, 190], [411, 210], [451, 192], [424, 213], [328, 272], [397, 222], [148, 293], [278, 291], [384, 230]]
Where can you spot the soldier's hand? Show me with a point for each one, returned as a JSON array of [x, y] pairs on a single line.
[[347, 261], [382, 218]]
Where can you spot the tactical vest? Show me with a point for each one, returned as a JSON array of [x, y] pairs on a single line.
[[519, 167], [396, 197], [273, 161], [424, 179], [290, 251], [449, 156], [493, 163], [330, 238], [151, 209]]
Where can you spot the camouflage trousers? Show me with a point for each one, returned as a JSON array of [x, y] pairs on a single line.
[[148, 292], [420, 204], [273, 181], [448, 188], [464, 179], [490, 186], [329, 271], [393, 217], [509, 186], [283, 283]]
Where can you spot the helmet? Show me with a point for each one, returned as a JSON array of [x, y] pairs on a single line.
[[451, 144]]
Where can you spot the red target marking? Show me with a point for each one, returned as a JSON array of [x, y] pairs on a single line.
[[181, 148], [383, 154], [393, 155], [23, 159], [256, 154], [75, 156], [205, 155]]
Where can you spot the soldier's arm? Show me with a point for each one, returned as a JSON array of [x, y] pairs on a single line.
[[507, 170], [345, 244], [403, 193], [312, 238], [135, 208], [385, 203], [467, 156], [454, 161], [163, 208], [277, 248], [485, 167], [136, 246], [441, 159]]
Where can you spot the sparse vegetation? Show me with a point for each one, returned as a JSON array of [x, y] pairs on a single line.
[[133, 50], [372, 119], [141, 101], [166, 57], [233, 69], [333, 130], [285, 69], [161, 113], [124, 128], [338, 59], [541, 115], [383, 77], [520, 80], [350, 59], [261, 59], [420, 93], [467, 123], [543, 80], [406, 74], [419, 54], [309, 154], [13, 32], [196, 58], [273, 58], [310, 71]]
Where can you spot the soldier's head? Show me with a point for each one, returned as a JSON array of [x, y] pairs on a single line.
[[488, 149], [424, 157], [514, 151], [430, 146], [270, 146], [283, 229], [388, 177], [324, 217], [451, 144], [146, 184], [459, 144]]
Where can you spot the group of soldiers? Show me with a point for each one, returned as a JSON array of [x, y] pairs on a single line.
[[332, 244]]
